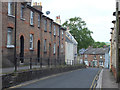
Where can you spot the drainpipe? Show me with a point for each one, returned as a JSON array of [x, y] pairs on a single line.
[[15, 59]]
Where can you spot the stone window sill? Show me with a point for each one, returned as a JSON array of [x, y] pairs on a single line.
[[11, 15], [31, 49], [22, 19], [10, 46]]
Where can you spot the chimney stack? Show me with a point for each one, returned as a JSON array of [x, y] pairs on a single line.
[[58, 20], [37, 6]]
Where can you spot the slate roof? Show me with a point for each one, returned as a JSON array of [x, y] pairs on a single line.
[[95, 51]]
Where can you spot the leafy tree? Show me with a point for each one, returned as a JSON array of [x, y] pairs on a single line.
[[80, 32], [99, 44]]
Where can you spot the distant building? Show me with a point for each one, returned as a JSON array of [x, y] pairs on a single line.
[[70, 49], [94, 57]]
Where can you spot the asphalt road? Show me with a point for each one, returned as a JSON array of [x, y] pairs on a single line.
[[76, 79]]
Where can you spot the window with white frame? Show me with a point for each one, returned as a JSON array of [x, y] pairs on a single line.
[[62, 34], [9, 36], [58, 31], [94, 56], [45, 43], [31, 17], [45, 25], [21, 12], [85, 56], [38, 20], [54, 48], [62, 48], [50, 26], [31, 41], [100, 56], [54, 30], [10, 8]]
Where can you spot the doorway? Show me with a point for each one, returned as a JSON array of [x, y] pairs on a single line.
[[38, 50], [22, 49]]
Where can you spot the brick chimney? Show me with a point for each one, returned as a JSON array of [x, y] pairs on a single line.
[[37, 6]]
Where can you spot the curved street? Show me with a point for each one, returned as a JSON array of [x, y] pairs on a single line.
[[82, 78]]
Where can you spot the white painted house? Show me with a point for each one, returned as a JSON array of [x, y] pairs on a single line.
[[70, 49]]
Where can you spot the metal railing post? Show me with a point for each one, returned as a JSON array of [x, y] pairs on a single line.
[[30, 63]]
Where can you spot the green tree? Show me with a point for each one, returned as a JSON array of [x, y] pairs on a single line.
[[99, 44], [80, 32]]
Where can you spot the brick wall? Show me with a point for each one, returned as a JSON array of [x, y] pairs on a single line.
[[25, 29]]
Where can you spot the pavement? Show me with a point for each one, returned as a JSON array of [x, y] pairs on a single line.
[[11, 69], [107, 80]]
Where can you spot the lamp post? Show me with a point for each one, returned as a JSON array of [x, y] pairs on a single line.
[[15, 59]]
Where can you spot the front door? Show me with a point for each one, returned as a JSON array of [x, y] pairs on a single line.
[[38, 51], [22, 49]]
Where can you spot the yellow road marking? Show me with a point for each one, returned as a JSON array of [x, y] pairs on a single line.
[[94, 80]]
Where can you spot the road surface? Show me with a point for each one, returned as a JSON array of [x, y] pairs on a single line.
[[81, 78]]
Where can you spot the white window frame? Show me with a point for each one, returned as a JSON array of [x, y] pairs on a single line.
[[58, 31], [62, 48], [100, 56], [45, 45], [62, 34], [10, 8], [31, 41], [45, 25], [38, 20], [85, 56], [9, 38], [50, 26], [21, 11], [54, 48], [54, 30], [31, 17]]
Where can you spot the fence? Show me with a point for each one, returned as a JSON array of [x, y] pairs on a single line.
[[33, 62]]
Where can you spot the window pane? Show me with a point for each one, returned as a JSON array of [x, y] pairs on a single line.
[[50, 26], [38, 20], [10, 8], [54, 48], [58, 31], [22, 7], [9, 36], [31, 41], [45, 25], [54, 30], [31, 18], [45, 45]]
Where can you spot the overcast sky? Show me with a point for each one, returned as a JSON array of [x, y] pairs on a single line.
[[98, 14]]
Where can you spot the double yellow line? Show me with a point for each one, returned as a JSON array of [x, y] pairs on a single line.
[[95, 78]]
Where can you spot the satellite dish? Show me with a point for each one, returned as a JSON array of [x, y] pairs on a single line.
[[47, 12]]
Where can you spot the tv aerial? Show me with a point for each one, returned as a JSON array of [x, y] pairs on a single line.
[[47, 12]]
